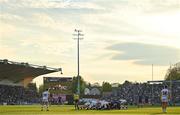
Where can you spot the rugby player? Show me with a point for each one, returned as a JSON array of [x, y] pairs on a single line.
[[164, 98], [45, 100]]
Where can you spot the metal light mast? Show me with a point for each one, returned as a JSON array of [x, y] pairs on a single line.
[[152, 84], [170, 82], [78, 37]]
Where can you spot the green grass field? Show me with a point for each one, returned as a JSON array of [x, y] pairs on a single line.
[[69, 110]]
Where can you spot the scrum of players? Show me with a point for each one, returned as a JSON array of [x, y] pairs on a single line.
[[96, 104]]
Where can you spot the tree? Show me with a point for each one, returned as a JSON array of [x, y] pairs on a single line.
[[88, 85], [41, 89], [106, 87], [173, 74], [127, 83], [96, 84], [82, 85]]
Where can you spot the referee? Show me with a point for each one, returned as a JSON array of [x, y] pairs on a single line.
[[76, 101]]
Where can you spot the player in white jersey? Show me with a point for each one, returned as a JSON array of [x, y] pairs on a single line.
[[45, 100], [164, 98]]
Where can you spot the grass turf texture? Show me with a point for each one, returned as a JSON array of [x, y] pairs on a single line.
[[69, 110]]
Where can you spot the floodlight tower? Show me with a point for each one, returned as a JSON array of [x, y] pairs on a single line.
[[170, 83], [152, 101], [78, 36]]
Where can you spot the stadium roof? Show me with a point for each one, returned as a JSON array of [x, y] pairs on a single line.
[[17, 71]]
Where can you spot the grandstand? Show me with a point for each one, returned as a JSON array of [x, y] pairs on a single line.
[[20, 73], [15, 78]]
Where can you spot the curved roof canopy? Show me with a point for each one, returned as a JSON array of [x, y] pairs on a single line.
[[16, 71]]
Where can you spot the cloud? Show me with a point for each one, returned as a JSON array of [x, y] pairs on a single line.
[[145, 53], [40, 32], [49, 22], [145, 6], [6, 16], [61, 4]]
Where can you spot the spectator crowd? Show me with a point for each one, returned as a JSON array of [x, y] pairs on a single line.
[[145, 93], [133, 93], [12, 95]]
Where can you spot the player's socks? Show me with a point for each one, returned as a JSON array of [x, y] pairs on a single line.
[[164, 110], [47, 108]]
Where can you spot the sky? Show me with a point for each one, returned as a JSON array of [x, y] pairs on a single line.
[[122, 38]]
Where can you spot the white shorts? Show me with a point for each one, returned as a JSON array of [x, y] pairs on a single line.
[[164, 99], [45, 100]]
